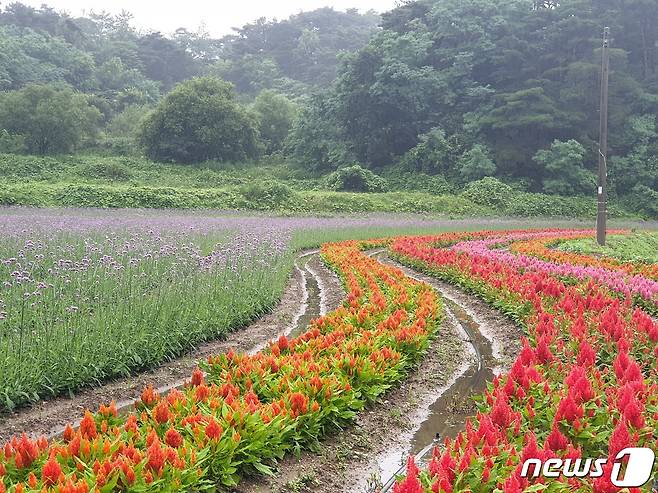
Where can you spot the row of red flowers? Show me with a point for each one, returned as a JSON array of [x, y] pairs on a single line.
[[244, 412], [585, 384]]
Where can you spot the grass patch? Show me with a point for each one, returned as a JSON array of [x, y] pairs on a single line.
[[635, 247]]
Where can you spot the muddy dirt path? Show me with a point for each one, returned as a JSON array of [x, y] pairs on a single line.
[[474, 341], [312, 290]]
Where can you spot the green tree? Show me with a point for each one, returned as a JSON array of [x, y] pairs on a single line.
[[121, 132], [200, 120], [434, 154], [475, 164], [563, 169], [276, 115], [124, 86], [49, 119], [303, 48], [28, 57], [164, 60], [315, 142], [640, 164]]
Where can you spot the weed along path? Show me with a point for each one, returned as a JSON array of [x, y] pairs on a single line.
[[312, 290]]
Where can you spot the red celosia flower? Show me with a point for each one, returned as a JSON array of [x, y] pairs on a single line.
[[173, 438], [51, 471], [213, 429], [619, 440], [556, 440], [411, 484], [569, 409], [197, 377], [161, 412], [283, 343], [202, 393], [586, 354], [156, 457], [501, 414]]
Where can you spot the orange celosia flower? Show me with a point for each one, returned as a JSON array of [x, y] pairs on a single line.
[[213, 429], [88, 426]]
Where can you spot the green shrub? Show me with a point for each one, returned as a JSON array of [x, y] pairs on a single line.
[[11, 143], [434, 153], [643, 200], [564, 169], [267, 194], [476, 164], [356, 179], [109, 170], [402, 180], [489, 192], [51, 119], [197, 121]]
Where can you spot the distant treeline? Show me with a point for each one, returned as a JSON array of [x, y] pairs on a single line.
[[435, 91]]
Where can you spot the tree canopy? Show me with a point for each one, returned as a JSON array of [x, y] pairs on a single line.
[[513, 76], [48, 120], [200, 120]]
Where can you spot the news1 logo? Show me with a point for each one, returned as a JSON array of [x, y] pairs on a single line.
[[639, 466]]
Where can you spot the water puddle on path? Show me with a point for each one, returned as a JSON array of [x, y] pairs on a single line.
[[313, 307], [446, 416], [449, 412]]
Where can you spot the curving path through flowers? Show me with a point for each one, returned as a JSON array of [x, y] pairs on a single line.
[[585, 382]]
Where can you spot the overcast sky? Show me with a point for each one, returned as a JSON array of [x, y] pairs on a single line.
[[219, 16]]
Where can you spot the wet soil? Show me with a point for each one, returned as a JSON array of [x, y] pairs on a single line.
[[310, 282]]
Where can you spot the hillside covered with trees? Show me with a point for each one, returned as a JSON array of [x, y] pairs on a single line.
[[434, 96]]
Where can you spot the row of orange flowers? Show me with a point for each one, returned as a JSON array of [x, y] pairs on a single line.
[[585, 384], [244, 412]]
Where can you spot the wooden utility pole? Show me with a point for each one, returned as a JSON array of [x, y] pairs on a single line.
[[602, 195]]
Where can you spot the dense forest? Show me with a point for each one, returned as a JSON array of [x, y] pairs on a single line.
[[440, 92]]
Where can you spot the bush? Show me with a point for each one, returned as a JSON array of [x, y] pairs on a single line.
[[11, 144], [49, 120], [200, 121], [315, 142], [268, 194], [564, 169], [476, 164], [400, 179], [276, 115], [120, 135], [489, 192], [107, 170], [356, 179], [433, 154], [644, 200]]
